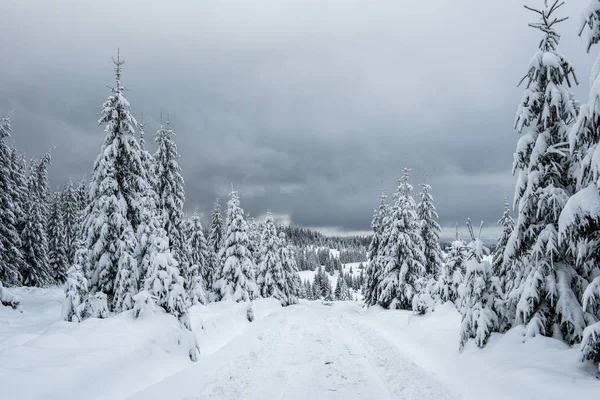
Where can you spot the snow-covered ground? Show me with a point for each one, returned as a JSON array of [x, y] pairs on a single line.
[[304, 351]]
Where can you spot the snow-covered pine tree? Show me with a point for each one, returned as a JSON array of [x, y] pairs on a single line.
[[303, 294], [151, 218], [504, 270], [11, 258], [215, 236], [480, 294], [19, 179], [338, 287], [430, 231], [271, 278], [236, 273], [291, 288], [76, 289], [196, 280], [36, 271], [549, 290], [128, 277], [163, 287], [499, 268], [57, 246], [71, 216], [579, 222], [214, 242], [254, 236], [148, 165], [310, 292], [453, 270], [373, 271], [170, 191], [403, 259], [116, 202], [342, 293], [82, 193], [328, 294]]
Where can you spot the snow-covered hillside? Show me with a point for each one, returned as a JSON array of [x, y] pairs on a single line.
[[309, 350]]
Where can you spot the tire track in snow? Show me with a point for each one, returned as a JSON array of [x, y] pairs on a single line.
[[403, 378]]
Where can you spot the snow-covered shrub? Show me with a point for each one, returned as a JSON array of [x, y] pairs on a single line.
[[425, 300], [250, 312], [96, 306], [144, 304], [8, 299]]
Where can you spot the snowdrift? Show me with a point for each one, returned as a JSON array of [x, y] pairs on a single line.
[[507, 368], [44, 358]]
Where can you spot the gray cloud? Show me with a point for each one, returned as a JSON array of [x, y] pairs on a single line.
[[308, 106]]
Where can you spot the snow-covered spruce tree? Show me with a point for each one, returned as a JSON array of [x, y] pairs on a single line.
[[453, 270], [71, 216], [502, 269], [83, 199], [236, 273], [36, 271], [293, 282], [116, 197], [254, 236], [271, 278], [148, 163], [215, 236], [338, 287], [303, 294], [373, 273], [195, 280], [480, 294], [430, 231], [170, 191], [214, 242], [163, 287], [76, 289], [403, 260], [342, 293], [499, 267], [19, 178], [579, 222], [550, 287], [57, 246], [128, 276], [11, 258]]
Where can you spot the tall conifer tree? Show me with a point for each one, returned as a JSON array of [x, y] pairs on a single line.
[[115, 206], [236, 275], [549, 289], [403, 260], [11, 258], [430, 231], [36, 271]]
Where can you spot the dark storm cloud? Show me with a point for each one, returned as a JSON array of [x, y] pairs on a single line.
[[308, 107]]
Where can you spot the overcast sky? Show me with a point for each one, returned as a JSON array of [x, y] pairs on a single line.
[[308, 106]]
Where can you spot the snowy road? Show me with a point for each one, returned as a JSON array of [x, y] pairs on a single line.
[[307, 351]]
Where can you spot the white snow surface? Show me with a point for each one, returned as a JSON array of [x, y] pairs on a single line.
[[305, 351]]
